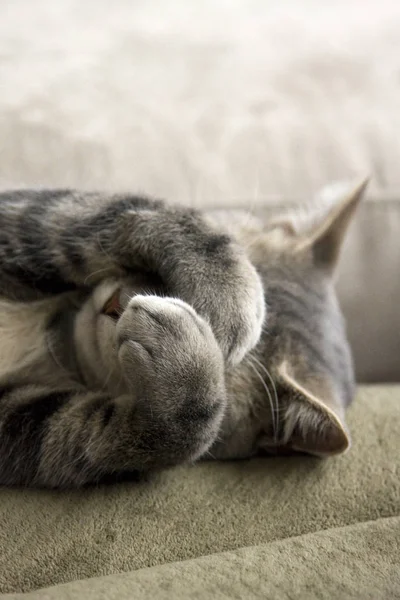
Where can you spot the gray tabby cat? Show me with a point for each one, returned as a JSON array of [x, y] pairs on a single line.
[[132, 336]]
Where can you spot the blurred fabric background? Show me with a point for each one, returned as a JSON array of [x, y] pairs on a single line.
[[200, 102]]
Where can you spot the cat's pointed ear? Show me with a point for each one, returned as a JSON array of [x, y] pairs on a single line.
[[325, 239], [310, 425]]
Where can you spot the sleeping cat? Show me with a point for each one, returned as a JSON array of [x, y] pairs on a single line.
[[135, 336]]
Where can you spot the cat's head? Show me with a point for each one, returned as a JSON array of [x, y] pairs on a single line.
[[290, 393]]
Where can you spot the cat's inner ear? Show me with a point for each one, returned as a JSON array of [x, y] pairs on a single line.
[[326, 237], [309, 424]]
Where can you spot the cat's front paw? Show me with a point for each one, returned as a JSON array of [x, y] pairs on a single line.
[[236, 310], [169, 354], [250, 314]]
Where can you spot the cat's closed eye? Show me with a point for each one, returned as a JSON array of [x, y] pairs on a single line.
[[112, 308]]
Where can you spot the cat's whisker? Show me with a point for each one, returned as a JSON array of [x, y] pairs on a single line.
[[264, 368], [110, 373], [102, 248], [264, 328], [128, 296], [250, 210], [95, 273], [209, 453], [51, 348], [274, 417]]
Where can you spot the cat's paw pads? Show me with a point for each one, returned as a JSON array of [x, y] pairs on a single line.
[[169, 355], [165, 327]]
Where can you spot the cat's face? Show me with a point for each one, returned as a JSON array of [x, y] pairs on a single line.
[[290, 393]]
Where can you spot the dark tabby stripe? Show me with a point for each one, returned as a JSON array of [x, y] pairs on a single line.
[[22, 430], [63, 439]]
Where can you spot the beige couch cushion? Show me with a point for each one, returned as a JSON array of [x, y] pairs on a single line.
[[353, 562]]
